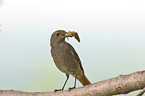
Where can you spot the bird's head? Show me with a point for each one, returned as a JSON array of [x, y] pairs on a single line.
[[57, 37]]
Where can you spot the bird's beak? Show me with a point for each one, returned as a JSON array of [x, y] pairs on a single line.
[[62, 35]]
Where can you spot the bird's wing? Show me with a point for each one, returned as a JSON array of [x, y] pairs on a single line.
[[75, 55]]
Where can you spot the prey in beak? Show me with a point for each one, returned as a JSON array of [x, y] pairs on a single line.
[[71, 34]]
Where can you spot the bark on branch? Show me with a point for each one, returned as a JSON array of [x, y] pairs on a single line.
[[122, 84]]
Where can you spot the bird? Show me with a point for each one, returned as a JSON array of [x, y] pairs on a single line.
[[66, 59]]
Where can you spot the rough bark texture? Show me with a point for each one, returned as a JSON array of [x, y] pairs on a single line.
[[122, 84]]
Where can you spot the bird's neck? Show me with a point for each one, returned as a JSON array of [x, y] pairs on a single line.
[[58, 44]]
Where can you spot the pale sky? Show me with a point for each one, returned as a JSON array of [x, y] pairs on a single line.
[[112, 34], [91, 14]]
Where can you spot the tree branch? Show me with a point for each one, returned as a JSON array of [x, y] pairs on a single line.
[[122, 84], [142, 92]]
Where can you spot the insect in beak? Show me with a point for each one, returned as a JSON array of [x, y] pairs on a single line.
[[71, 34]]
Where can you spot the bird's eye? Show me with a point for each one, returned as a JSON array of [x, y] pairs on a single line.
[[57, 34]]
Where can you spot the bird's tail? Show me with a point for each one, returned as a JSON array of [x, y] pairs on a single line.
[[84, 80]]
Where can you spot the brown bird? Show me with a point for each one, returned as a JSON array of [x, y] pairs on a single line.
[[66, 59]]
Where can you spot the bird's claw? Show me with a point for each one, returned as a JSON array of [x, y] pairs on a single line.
[[57, 90], [71, 88]]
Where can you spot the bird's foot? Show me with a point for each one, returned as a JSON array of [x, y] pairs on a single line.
[[71, 88], [57, 90]]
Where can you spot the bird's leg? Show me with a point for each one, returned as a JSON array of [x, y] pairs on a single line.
[[63, 85], [65, 81], [74, 84]]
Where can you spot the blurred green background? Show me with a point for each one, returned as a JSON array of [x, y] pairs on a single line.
[[112, 34]]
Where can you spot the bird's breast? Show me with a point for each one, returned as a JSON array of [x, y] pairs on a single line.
[[64, 60]]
